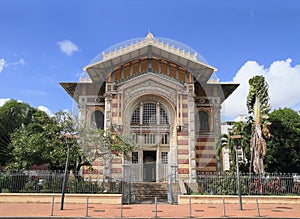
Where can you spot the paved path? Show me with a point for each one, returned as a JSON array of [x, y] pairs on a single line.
[[148, 210]]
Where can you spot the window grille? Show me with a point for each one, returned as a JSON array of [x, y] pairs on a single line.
[[135, 119], [97, 119], [149, 113], [164, 157], [135, 157], [163, 116]]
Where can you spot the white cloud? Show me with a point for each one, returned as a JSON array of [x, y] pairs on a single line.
[[3, 101], [68, 47], [282, 78], [2, 64], [5, 64], [21, 61], [46, 110]]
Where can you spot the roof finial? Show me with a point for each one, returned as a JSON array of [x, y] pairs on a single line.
[[149, 35]]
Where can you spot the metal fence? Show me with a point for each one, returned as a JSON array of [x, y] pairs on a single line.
[[226, 184], [206, 184], [51, 182]]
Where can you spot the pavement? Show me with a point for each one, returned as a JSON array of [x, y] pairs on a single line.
[[162, 210]]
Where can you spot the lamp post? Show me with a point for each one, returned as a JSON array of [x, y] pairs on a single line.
[[237, 170], [69, 138]]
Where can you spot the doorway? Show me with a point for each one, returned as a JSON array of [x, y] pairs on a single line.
[[149, 166]]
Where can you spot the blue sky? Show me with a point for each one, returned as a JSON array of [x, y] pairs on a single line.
[[239, 38]]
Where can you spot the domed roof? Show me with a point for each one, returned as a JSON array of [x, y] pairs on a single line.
[[184, 49]]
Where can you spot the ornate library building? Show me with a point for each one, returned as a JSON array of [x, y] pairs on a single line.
[[162, 94]]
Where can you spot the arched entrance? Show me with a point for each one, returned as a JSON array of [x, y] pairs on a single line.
[[150, 125]]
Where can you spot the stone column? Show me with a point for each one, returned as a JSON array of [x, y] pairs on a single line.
[[82, 112], [216, 108], [107, 124], [192, 140]]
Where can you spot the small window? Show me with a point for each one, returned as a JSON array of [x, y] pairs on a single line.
[[165, 139], [97, 119], [202, 121], [164, 157], [135, 157], [149, 139], [135, 138]]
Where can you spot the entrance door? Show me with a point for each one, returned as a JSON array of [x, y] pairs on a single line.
[[149, 160]]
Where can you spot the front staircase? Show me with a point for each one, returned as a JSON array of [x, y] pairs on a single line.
[[145, 192]]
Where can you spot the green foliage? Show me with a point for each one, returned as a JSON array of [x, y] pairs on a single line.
[[225, 184], [43, 141], [239, 128], [32, 186], [79, 185], [284, 145], [95, 143], [258, 98], [12, 182], [13, 115]]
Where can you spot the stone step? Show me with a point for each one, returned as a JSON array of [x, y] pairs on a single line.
[[147, 191]]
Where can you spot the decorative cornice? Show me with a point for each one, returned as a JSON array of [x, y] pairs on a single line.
[[149, 40]]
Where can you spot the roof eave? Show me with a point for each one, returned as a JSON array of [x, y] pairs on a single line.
[[98, 71]]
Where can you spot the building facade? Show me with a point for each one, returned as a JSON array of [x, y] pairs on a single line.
[[160, 93]]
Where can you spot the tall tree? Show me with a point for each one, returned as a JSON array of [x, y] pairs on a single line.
[[284, 145], [13, 115], [258, 105], [42, 142], [47, 143]]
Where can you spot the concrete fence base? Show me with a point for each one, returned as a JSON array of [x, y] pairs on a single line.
[[116, 199], [233, 199], [69, 198]]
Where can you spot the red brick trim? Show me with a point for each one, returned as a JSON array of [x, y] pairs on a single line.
[[183, 151], [205, 156], [201, 139], [207, 148], [183, 171], [183, 161], [183, 142], [204, 164], [116, 161], [116, 170], [185, 115], [183, 133]]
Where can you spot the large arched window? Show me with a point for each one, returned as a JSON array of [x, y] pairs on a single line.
[[202, 121], [151, 112], [97, 119]]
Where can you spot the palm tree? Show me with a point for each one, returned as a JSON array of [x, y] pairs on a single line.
[[258, 105], [225, 141]]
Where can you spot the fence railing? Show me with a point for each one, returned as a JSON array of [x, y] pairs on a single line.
[[51, 182], [210, 184], [226, 184]]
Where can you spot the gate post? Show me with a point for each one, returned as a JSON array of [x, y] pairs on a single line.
[[126, 184], [173, 178]]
